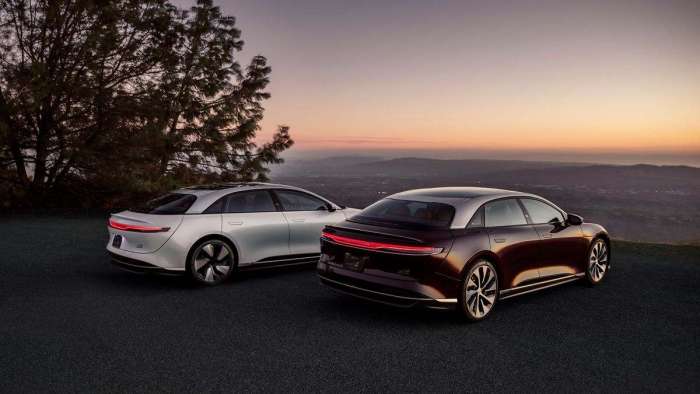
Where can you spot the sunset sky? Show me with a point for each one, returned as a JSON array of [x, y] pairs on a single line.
[[490, 75]]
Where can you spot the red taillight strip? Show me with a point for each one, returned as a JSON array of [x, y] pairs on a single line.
[[380, 246], [133, 227]]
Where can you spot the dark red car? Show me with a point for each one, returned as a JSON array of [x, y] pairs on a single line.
[[460, 246]]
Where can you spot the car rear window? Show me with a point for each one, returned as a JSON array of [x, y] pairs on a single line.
[[395, 213], [169, 204]]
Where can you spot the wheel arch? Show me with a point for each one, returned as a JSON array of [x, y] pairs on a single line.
[[221, 237], [605, 237], [488, 256]]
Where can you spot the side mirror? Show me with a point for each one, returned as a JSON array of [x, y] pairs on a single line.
[[556, 222], [328, 208], [574, 219]]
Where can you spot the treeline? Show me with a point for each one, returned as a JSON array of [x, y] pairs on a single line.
[[104, 102]]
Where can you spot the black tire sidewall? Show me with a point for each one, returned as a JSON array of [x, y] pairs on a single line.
[[589, 279], [192, 254], [462, 302]]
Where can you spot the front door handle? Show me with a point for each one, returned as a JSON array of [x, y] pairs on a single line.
[[236, 223], [499, 240], [298, 220]]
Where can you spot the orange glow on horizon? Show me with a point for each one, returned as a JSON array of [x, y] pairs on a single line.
[[592, 75]]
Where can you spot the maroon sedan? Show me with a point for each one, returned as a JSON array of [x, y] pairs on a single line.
[[460, 246]]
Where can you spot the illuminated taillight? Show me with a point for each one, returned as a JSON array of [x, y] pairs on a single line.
[[135, 227], [381, 246]]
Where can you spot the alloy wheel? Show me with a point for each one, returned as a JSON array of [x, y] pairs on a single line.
[[481, 290], [598, 261], [212, 262]]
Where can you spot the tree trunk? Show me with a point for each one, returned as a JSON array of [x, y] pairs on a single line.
[[15, 149]]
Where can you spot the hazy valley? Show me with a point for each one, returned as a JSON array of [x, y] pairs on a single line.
[[639, 203]]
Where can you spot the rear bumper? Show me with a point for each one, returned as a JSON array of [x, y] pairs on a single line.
[[137, 265], [382, 293]]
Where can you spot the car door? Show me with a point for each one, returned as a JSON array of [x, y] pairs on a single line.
[[258, 227], [513, 239], [307, 215], [562, 246]]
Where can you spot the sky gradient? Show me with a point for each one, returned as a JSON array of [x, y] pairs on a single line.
[[608, 76]]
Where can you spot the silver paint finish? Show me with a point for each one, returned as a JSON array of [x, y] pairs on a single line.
[[465, 207], [145, 242], [305, 229], [207, 197], [255, 236], [259, 235]]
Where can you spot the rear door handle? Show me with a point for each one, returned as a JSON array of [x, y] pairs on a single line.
[[236, 223], [298, 220], [546, 235], [499, 240]]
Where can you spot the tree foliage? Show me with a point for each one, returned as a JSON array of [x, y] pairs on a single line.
[[106, 98]]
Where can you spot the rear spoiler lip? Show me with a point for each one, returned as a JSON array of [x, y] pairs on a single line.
[[118, 216], [136, 228], [352, 230]]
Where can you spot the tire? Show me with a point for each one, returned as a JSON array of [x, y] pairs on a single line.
[[211, 262], [598, 263], [479, 291]]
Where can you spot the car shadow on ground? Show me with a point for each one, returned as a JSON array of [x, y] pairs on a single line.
[[117, 277], [357, 310], [317, 300], [157, 281]]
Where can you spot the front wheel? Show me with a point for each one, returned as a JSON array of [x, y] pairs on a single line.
[[211, 262], [479, 291], [598, 261]]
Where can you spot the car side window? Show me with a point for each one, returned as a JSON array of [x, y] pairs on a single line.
[[506, 212], [249, 201], [477, 220], [297, 201], [541, 212], [216, 207]]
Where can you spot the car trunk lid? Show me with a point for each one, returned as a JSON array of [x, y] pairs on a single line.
[[375, 250], [141, 232]]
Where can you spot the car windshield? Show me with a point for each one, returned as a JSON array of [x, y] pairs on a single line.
[[169, 204], [396, 213]]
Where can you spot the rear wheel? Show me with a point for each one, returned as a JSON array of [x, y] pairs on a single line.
[[211, 262], [598, 261], [479, 291]]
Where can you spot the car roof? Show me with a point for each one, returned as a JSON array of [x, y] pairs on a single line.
[[228, 187], [465, 200], [457, 192], [210, 193], [225, 185]]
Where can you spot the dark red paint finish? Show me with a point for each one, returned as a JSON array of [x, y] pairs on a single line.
[[561, 246], [523, 256]]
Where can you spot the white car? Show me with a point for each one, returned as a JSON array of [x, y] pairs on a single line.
[[210, 231]]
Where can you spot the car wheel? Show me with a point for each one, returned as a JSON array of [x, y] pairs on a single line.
[[479, 291], [211, 262], [598, 261]]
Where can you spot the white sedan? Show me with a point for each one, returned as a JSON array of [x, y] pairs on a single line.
[[211, 231]]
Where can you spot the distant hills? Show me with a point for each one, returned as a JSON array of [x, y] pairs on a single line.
[[636, 202]]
